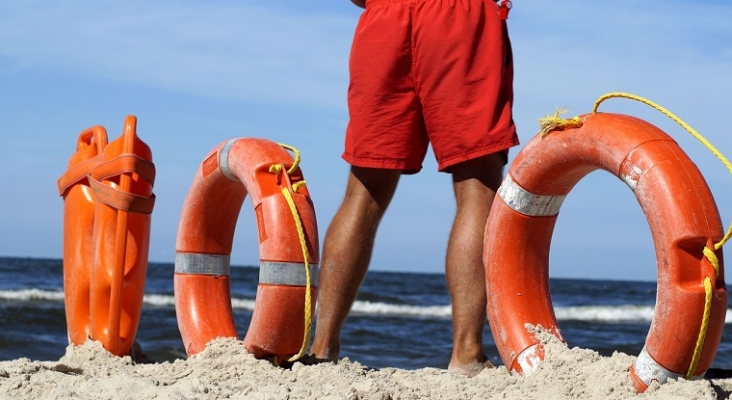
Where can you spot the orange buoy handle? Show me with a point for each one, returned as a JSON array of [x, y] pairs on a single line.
[[89, 146]]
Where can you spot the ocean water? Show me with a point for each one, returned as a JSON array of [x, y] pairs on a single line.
[[399, 319]]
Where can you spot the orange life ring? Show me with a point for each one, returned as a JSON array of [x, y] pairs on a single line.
[[288, 255], [108, 199], [680, 211]]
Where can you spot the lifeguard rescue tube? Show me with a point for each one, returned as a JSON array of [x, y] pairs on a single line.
[[108, 199], [680, 211], [264, 170]]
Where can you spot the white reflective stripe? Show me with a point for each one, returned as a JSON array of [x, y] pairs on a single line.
[[224, 160], [527, 203], [529, 360], [648, 370], [202, 264], [286, 273]]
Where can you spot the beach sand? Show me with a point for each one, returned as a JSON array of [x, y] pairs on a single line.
[[226, 371]]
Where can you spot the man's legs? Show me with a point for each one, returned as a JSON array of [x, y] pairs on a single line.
[[475, 183], [347, 252]]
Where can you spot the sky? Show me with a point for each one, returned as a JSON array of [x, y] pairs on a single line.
[[197, 73]]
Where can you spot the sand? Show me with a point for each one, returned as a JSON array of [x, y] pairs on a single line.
[[226, 371]]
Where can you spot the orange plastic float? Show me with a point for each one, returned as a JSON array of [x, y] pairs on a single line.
[[108, 200], [78, 225], [684, 222], [288, 250]]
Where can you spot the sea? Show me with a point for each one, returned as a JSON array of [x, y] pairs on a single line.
[[399, 320]]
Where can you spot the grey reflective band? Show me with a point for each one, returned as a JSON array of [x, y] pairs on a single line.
[[224, 160], [284, 273], [527, 203], [648, 370], [202, 264]]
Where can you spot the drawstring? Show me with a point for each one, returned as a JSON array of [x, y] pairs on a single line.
[[505, 8]]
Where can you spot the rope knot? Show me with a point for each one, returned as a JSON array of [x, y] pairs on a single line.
[[296, 162], [712, 257], [551, 123], [275, 168]]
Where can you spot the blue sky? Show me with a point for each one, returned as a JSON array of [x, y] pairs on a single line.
[[197, 73]]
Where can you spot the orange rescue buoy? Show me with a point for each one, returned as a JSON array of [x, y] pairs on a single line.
[[684, 223], [78, 224], [288, 249], [108, 200]]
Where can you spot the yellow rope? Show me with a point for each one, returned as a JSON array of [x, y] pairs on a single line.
[[669, 114], [296, 186], [708, 290], [276, 169], [295, 163], [684, 125], [305, 255], [553, 122], [712, 257], [708, 253]]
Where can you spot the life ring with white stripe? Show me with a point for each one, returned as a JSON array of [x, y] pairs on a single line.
[[683, 219], [288, 250]]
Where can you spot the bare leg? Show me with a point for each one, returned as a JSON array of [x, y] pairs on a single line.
[[475, 183], [347, 252]]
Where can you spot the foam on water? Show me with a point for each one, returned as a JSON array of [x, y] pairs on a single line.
[[593, 313]]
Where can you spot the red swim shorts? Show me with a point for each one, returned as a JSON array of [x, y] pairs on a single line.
[[423, 72]]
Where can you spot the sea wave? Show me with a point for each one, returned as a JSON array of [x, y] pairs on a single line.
[[607, 314], [32, 295], [590, 313]]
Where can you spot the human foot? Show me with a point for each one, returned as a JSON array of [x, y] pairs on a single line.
[[312, 359], [470, 369]]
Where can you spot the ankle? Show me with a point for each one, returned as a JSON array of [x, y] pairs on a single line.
[[325, 351]]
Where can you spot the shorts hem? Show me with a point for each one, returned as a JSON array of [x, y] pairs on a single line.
[[445, 164], [381, 163]]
